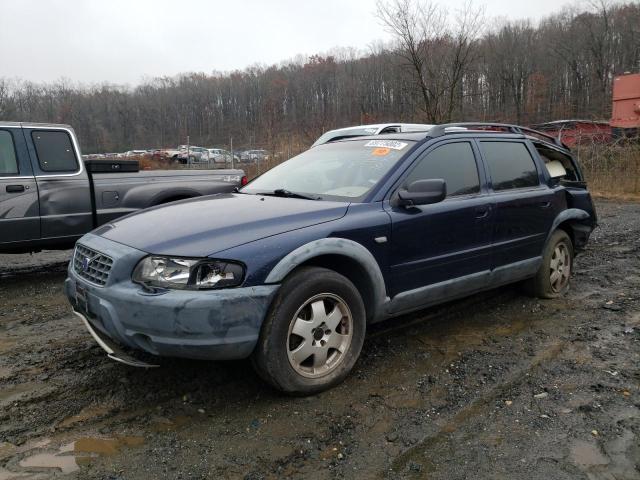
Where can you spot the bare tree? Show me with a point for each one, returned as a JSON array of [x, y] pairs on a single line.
[[510, 55], [436, 52]]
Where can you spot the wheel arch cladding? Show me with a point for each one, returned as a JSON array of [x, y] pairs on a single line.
[[566, 221], [347, 258]]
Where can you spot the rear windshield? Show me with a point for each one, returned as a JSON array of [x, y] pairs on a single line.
[[334, 171]]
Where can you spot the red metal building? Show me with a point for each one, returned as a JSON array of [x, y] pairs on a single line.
[[625, 117]]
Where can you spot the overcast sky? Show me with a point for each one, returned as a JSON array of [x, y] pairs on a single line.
[[124, 41]]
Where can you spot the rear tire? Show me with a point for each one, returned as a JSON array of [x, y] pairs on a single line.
[[313, 333], [553, 277]]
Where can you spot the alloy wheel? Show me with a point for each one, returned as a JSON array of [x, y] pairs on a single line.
[[560, 267], [320, 334]]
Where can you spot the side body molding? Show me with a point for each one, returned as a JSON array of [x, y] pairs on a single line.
[[336, 246]]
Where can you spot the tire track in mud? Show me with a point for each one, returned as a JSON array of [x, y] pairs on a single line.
[[477, 407]]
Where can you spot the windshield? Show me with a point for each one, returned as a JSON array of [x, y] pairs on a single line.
[[344, 170]]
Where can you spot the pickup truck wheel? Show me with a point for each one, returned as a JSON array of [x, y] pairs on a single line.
[[552, 280], [313, 333]]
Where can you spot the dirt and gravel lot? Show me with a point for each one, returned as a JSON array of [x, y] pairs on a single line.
[[495, 386]]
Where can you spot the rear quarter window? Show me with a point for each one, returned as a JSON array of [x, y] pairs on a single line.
[[510, 165], [55, 151]]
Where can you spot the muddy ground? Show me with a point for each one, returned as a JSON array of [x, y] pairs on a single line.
[[495, 386]]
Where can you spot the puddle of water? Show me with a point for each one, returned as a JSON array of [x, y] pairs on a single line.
[[403, 400], [38, 444], [105, 446], [7, 475], [6, 344], [453, 338], [11, 394], [85, 414], [71, 456], [6, 449], [515, 326], [163, 424], [585, 454], [65, 463]]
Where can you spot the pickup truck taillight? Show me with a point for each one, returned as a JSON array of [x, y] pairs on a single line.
[[244, 180]]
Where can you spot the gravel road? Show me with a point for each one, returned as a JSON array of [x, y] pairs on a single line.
[[497, 386]]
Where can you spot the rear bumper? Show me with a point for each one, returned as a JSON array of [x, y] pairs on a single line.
[[212, 324], [581, 234]]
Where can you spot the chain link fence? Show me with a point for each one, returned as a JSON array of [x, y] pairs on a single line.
[[611, 169]]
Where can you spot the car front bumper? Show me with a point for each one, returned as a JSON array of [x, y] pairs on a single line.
[[206, 324]]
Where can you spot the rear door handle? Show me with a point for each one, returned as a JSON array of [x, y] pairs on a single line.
[[545, 204], [482, 212], [15, 188]]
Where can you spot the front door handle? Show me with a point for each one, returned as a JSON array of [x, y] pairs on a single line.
[[15, 188], [545, 204]]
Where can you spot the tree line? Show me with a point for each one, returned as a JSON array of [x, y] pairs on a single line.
[[441, 66]]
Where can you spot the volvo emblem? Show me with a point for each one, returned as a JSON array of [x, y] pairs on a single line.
[[87, 261]]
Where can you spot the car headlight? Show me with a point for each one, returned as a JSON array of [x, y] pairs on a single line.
[[187, 273]]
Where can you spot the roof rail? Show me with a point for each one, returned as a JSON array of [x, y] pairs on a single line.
[[440, 130]]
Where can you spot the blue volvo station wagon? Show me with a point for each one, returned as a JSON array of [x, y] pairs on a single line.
[[291, 269]]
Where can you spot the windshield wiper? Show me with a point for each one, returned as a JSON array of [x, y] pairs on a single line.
[[281, 192]]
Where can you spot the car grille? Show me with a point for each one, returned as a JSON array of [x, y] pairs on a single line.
[[91, 265]]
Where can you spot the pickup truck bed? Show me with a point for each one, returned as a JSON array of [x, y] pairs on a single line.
[[49, 198]]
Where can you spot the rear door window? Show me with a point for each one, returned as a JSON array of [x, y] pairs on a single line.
[[55, 151], [454, 163], [510, 165], [8, 159]]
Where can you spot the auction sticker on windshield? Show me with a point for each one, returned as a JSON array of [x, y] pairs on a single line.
[[395, 145], [380, 151]]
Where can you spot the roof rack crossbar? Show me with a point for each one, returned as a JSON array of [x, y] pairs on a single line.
[[440, 130]]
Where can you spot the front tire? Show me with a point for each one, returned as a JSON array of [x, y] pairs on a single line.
[[313, 333], [553, 277]]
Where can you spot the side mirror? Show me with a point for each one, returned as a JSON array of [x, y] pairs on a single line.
[[422, 192]]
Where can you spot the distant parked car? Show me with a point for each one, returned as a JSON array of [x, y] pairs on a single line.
[[220, 155], [135, 153], [171, 153], [193, 155], [159, 154], [253, 155]]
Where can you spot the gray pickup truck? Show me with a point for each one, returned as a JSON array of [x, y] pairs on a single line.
[[49, 197]]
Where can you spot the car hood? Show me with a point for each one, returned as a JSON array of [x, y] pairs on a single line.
[[203, 226]]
